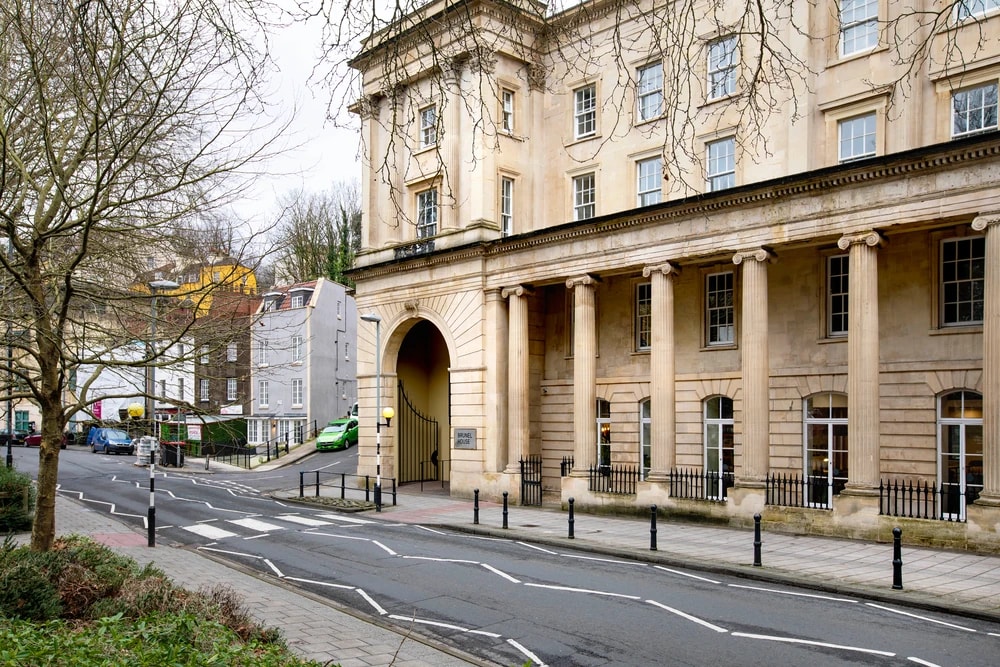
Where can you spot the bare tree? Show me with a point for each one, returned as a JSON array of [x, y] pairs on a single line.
[[120, 122], [318, 234]]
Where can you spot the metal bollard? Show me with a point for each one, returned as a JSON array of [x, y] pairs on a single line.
[[475, 506], [504, 509], [897, 559], [571, 519], [652, 528], [207, 458], [302, 487], [756, 540], [367, 489]]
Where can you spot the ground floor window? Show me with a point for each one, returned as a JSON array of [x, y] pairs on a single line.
[[603, 434], [826, 447], [645, 447], [960, 451], [719, 453], [253, 431]]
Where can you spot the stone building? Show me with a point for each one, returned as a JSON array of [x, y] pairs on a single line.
[[798, 329]]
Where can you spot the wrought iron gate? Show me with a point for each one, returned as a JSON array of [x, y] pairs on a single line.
[[531, 480], [418, 444]]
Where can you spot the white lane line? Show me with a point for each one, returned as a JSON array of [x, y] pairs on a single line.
[[532, 546], [534, 659], [320, 583], [686, 574], [603, 560], [343, 537], [255, 524], [345, 519], [274, 568], [792, 640], [431, 530], [382, 546], [922, 618], [570, 589], [443, 560], [231, 553], [502, 574], [803, 595], [693, 619], [381, 611], [210, 532], [439, 624], [923, 662], [304, 520]]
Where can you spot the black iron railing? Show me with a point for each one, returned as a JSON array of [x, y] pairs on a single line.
[[922, 500], [794, 491], [621, 480], [234, 453], [566, 466], [273, 448], [531, 481], [336, 482], [696, 484]]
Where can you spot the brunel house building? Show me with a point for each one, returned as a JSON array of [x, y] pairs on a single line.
[[682, 316]]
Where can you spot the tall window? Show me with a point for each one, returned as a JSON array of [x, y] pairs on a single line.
[[963, 273], [603, 434], [230, 389], [507, 110], [837, 276], [506, 206], [719, 451], [203, 390], [262, 353], [180, 389], [427, 213], [960, 448], [721, 172], [719, 316], [649, 176], [826, 447], [643, 316], [857, 137], [585, 111], [645, 437], [231, 350], [584, 197], [253, 430], [722, 67], [428, 126], [968, 8], [262, 397], [649, 91], [858, 25], [297, 391], [204, 355], [22, 418], [974, 110], [297, 348]]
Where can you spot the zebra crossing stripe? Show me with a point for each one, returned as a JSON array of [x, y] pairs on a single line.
[[211, 532], [255, 524], [304, 520], [344, 519]]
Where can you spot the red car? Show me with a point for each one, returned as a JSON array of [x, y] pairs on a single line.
[[35, 440]]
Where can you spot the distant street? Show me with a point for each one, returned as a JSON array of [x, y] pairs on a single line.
[[510, 601]]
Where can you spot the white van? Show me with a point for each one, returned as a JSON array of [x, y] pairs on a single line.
[[354, 410]]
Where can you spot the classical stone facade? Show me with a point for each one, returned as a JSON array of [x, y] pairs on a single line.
[[810, 331]]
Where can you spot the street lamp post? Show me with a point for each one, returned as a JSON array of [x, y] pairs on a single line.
[[10, 403], [388, 413], [154, 286]]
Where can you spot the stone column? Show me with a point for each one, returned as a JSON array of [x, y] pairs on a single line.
[[756, 368], [862, 363], [991, 360], [662, 393], [584, 372], [517, 375], [495, 408]]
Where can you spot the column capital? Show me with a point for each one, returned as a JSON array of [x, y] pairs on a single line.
[[981, 222], [667, 269], [586, 280], [757, 254], [517, 290], [871, 238]]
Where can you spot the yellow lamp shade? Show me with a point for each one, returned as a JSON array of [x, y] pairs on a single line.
[[136, 410], [388, 412]]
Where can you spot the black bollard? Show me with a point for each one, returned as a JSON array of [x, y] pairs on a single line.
[[504, 509], [756, 540], [571, 519], [897, 559], [652, 528], [475, 506]]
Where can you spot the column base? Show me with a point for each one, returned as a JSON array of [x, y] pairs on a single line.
[[987, 499]]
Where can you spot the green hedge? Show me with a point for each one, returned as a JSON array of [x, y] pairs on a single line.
[[17, 500]]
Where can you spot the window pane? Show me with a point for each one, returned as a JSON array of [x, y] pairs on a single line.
[[962, 280], [858, 25], [650, 175], [721, 164], [857, 137]]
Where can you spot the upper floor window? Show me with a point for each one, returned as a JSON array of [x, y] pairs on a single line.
[[643, 316], [721, 172], [231, 352], [428, 126], [722, 67], [507, 110], [204, 354], [585, 111], [584, 197], [262, 353], [297, 391], [719, 315], [203, 390], [230, 389], [856, 137], [649, 176], [262, 397], [837, 274], [974, 110], [297, 301], [858, 25], [649, 91], [427, 213], [297, 348], [506, 206], [963, 274], [967, 8]]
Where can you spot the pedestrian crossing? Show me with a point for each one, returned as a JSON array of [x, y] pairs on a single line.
[[253, 527]]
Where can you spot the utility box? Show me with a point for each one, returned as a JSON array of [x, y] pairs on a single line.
[[146, 449]]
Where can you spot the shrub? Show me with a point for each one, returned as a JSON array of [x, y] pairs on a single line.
[[17, 500], [25, 589]]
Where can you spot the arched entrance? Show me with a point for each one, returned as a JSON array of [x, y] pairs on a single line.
[[423, 405]]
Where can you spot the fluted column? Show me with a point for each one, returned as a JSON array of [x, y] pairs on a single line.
[[495, 409], [517, 374], [862, 362], [584, 372], [756, 367], [662, 384], [991, 360]]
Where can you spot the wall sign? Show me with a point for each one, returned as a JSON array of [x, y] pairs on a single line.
[[465, 438]]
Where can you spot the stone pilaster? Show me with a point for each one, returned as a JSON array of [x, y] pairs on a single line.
[[991, 360], [862, 363], [495, 410], [662, 383], [517, 375], [584, 372]]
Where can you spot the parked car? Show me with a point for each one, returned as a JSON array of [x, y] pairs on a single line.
[[110, 441], [35, 440], [339, 434], [19, 437]]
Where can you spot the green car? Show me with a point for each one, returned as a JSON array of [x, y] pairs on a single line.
[[340, 434]]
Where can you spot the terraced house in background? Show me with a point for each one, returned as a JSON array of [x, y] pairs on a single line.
[[695, 263]]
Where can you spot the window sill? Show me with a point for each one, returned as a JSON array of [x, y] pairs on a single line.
[[582, 140], [425, 149], [297, 363], [951, 330], [720, 346], [832, 339]]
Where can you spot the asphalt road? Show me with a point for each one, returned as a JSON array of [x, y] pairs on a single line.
[[511, 601]]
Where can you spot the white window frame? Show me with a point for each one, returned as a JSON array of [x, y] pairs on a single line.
[[507, 110], [720, 167], [720, 460], [968, 9], [837, 295], [585, 111], [649, 91], [585, 196], [643, 317], [857, 137], [967, 477], [298, 391], [262, 348], [232, 389], [428, 126], [298, 301], [297, 347], [963, 285], [649, 181], [858, 26], [262, 397], [203, 390], [427, 213], [976, 105], [720, 317], [506, 206], [645, 438], [232, 351], [603, 418], [722, 61], [828, 482]]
